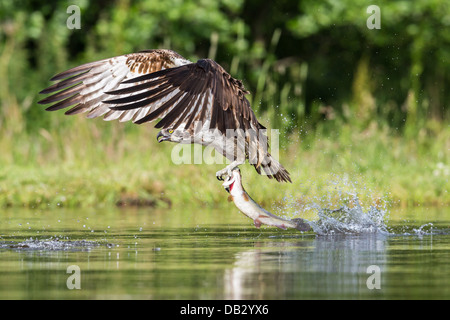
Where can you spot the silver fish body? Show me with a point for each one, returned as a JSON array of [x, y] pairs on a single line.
[[233, 184]]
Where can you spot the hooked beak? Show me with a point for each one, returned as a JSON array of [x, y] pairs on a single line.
[[160, 137]]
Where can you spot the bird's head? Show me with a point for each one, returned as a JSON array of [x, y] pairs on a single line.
[[233, 180], [173, 135]]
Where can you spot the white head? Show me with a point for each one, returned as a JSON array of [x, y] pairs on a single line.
[[174, 135]]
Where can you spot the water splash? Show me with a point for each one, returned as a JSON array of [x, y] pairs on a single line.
[[422, 230], [350, 220], [50, 244], [427, 229], [339, 210]]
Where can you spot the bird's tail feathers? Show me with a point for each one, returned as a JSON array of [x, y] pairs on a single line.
[[272, 169]]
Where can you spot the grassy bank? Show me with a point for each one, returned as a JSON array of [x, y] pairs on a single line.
[[360, 111], [102, 164]]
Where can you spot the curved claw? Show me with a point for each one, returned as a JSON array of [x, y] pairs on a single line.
[[219, 178]]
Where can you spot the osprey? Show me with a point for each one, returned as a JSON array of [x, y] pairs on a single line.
[[195, 102]]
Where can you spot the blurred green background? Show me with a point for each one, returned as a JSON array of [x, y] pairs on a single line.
[[365, 109]]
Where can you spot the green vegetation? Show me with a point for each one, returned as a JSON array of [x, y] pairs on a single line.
[[358, 109]]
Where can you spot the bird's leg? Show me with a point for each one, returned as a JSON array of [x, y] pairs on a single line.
[[227, 170]]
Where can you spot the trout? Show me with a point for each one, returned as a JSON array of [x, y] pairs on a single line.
[[233, 185]]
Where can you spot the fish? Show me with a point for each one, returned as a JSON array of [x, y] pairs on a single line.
[[248, 206]]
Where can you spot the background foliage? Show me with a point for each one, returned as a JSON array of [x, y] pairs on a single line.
[[371, 102]]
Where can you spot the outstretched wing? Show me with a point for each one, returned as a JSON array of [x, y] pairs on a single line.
[[84, 88], [201, 91], [161, 84]]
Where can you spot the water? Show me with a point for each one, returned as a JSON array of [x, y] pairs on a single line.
[[198, 253]]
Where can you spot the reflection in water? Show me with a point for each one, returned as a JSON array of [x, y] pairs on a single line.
[[350, 239], [332, 265]]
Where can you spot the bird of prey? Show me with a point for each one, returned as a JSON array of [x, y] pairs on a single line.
[[194, 102]]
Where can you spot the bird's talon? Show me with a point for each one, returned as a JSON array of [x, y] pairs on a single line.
[[219, 176]]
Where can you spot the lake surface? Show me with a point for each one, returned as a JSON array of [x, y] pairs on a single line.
[[199, 253]]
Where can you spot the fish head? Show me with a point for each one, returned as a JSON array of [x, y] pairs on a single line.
[[233, 180]]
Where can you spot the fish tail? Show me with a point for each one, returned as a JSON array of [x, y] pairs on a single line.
[[301, 225]]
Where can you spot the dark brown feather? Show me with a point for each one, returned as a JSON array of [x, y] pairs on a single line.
[[163, 108], [201, 91], [73, 87]]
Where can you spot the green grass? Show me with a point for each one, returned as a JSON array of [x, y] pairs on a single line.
[[347, 145], [91, 163]]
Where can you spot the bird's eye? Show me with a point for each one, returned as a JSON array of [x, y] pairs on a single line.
[[170, 131]]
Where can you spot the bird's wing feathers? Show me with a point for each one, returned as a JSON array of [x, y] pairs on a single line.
[[161, 84], [201, 91], [150, 85], [84, 88]]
